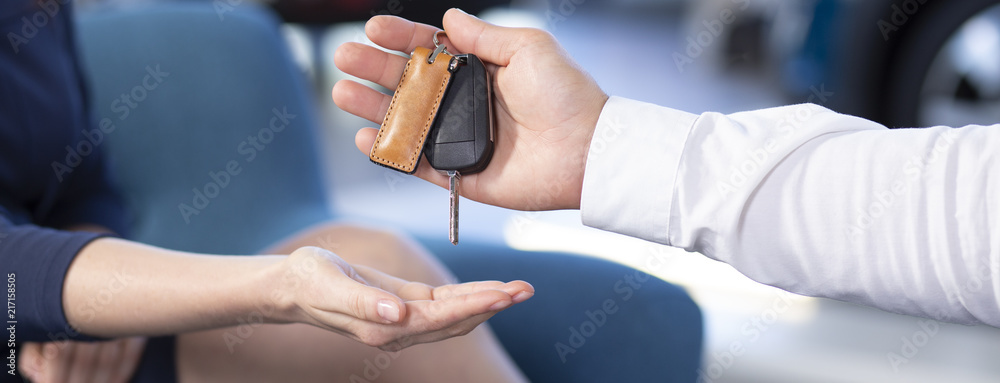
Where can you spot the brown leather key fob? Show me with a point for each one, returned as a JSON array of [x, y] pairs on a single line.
[[412, 110]]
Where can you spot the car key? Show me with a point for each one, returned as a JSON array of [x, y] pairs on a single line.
[[461, 138], [402, 137]]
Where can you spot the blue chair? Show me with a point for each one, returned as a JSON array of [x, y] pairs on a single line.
[[214, 150]]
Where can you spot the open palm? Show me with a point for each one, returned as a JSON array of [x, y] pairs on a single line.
[[329, 293]]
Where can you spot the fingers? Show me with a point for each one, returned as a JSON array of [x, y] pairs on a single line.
[[399, 34], [361, 101], [459, 329], [131, 352], [108, 359], [365, 138], [431, 321], [520, 291], [31, 360], [455, 310], [490, 42], [416, 291], [337, 294], [401, 288], [371, 304], [451, 291], [438, 314], [370, 63], [466, 33], [81, 369], [59, 358], [111, 361], [361, 300]]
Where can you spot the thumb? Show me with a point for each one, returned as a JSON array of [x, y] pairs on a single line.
[[491, 43], [372, 304]]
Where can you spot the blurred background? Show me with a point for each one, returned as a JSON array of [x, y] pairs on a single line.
[[904, 63]]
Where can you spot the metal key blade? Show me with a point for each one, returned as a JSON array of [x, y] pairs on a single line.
[[453, 178]]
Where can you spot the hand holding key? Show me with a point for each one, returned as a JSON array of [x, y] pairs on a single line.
[[545, 107]]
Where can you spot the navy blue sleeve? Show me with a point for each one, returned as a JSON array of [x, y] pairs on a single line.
[[36, 259], [43, 115], [89, 197]]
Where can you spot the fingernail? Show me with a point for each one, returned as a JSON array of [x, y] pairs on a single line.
[[388, 311], [522, 296], [500, 305], [460, 10]]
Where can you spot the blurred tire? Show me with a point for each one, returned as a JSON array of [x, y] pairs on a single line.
[[919, 41]]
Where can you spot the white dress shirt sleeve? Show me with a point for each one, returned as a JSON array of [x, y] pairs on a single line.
[[811, 201]]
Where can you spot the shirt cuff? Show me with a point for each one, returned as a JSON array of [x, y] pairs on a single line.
[[38, 259], [628, 183]]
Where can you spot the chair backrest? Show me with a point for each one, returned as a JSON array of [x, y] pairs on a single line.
[[207, 123]]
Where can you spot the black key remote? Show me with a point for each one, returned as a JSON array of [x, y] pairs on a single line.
[[461, 136], [460, 140]]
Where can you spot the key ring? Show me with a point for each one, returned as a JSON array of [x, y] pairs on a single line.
[[438, 47]]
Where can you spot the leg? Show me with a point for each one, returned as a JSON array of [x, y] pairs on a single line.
[[304, 353]]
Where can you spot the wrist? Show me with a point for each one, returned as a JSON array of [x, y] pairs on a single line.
[[272, 293]]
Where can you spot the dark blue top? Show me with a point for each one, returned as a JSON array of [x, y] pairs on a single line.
[[52, 174]]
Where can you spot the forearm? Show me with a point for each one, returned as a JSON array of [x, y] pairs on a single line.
[[119, 288], [846, 209], [825, 205]]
